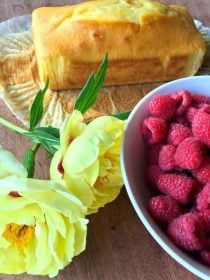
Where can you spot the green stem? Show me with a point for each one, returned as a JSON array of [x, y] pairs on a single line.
[[29, 160], [12, 126], [35, 148]]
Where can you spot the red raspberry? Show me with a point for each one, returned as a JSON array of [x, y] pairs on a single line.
[[182, 188], [162, 106], [205, 214], [189, 153], [191, 112], [166, 157], [203, 107], [153, 153], [188, 231], [202, 174], [205, 255], [194, 210], [198, 98], [177, 133], [205, 252], [203, 198], [164, 208], [154, 130], [201, 127], [183, 99], [182, 120], [152, 173]]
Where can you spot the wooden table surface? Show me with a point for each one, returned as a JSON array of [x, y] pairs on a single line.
[[118, 245]]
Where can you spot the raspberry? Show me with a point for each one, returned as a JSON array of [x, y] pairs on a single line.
[[154, 130], [202, 174], [153, 153], [164, 208], [205, 214], [183, 99], [203, 107], [152, 173], [205, 255], [182, 188], [201, 127], [188, 231], [205, 252], [178, 158], [182, 120], [162, 106], [203, 198], [177, 133], [191, 112], [194, 210], [166, 157], [189, 153], [197, 98]]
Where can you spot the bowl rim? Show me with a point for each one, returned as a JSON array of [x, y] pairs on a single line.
[[176, 253]]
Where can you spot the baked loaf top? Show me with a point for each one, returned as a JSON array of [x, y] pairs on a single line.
[[134, 11], [71, 41]]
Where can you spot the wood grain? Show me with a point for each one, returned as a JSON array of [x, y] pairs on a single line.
[[118, 246]]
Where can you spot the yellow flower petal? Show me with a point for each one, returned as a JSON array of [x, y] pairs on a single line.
[[106, 124], [53, 239], [4, 243], [55, 174], [70, 245], [79, 183], [42, 192], [81, 189], [10, 203], [81, 153], [42, 253], [9, 165], [11, 262], [80, 240], [24, 215], [71, 128]]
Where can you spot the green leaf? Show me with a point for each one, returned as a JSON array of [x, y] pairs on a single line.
[[88, 95], [50, 149], [29, 162], [122, 116], [42, 133], [36, 111], [50, 130], [45, 137]]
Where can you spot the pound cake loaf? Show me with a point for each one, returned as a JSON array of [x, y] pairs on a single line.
[[146, 41]]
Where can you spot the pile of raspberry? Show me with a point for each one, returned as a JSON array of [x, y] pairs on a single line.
[[177, 134]]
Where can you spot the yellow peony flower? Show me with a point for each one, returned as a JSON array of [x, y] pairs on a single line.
[[89, 159], [42, 225]]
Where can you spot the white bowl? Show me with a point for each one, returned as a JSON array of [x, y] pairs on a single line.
[[133, 163]]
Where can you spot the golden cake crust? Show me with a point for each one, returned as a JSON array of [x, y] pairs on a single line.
[[146, 41]]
